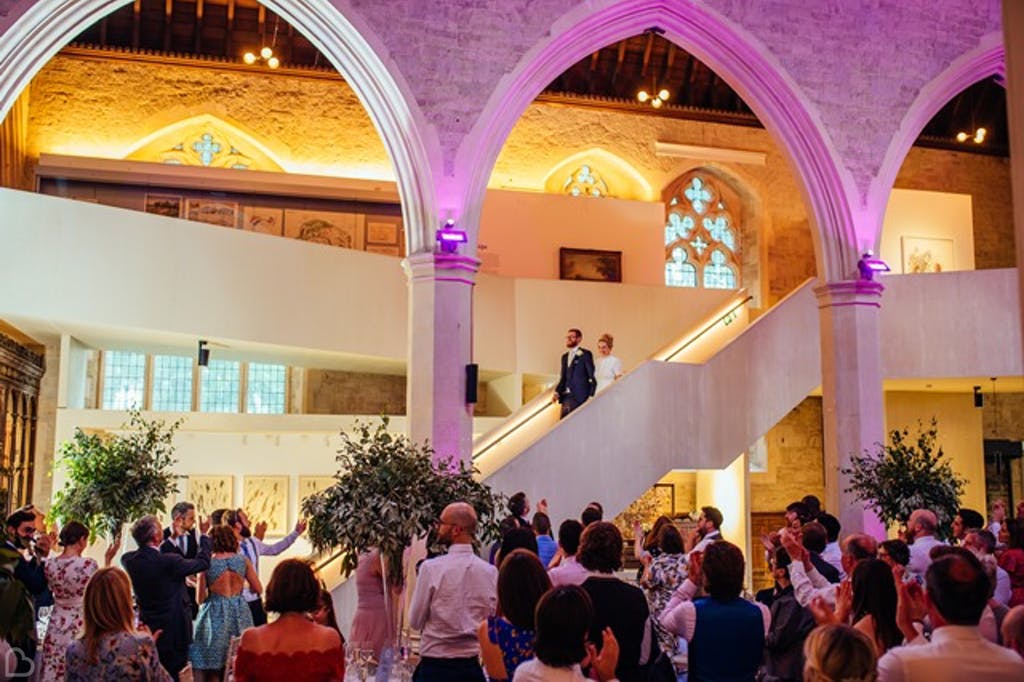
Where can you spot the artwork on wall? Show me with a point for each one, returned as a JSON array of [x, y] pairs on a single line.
[[310, 485], [213, 211], [164, 204], [323, 227], [384, 249], [659, 500], [926, 254], [263, 220], [590, 264], [208, 493], [381, 233], [265, 498]]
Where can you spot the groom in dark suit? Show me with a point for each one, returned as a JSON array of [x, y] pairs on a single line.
[[158, 579], [576, 382], [182, 537]]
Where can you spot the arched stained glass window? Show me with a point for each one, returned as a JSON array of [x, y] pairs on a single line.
[[702, 246], [585, 182]]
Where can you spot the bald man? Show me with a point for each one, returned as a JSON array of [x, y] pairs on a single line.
[[1013, 630], [921, 528], [454, 593]]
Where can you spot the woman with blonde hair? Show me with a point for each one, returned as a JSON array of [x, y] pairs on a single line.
[[608, 368], [111, 647], [839, 653]]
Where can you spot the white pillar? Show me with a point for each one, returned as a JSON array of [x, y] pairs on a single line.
[[852, 399], [440, 347], [1013, 39]]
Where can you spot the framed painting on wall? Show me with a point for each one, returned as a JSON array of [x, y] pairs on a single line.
[[384, 249], [323, 227], [263, 220], [927, 254], [213, 212], [208, 493], [163, 204], [310, 485], [378, 232], [265, 498], [591, 265]]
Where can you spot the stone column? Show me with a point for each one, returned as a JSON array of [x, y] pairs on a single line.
[[1013, 39], [852, 400], [440, 347]]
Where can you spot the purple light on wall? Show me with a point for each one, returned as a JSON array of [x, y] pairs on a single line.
[[449, 238]]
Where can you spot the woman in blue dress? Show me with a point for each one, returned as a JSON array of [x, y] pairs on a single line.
[[223, 613]]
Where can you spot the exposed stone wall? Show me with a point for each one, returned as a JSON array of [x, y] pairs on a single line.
[[1003, 416], [795, 460], [336, 392]]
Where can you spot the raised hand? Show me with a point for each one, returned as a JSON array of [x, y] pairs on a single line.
[[542, 506], [696, 565], [822, 612], [793, 546], [300, 526], [112, 549], [260, 530], [605, 662], [204, 525], [844, 601]]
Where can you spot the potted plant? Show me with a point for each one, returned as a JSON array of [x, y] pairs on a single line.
[[909, 472], [114, 478]]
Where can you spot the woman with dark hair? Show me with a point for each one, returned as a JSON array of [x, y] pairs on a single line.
[[648, 546], [874, 604], [506, 638], [617, 605], [67, 576], [517, 538], [564, 621], [1012, 559], [223, 613], [324, 613], [111, 648], [661, 577], [292, 647]]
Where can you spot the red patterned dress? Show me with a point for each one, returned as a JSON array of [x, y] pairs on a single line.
[[66, 577]]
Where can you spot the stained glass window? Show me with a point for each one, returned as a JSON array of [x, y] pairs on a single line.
[[702, 245], [265, 389], [585, 182], [124, 380], [220, 386], [172, 383]]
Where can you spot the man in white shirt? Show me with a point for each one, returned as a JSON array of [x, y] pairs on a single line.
[[252, 548], [957, 591], [983, 543], [921, 530], [568, 571], [454, 593], [807, 582], [708, 530]]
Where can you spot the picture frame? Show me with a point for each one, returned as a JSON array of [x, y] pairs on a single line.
[[265, 498], [384, 249], [331, 228], [310, 485], [927, 254], [209, 493], [212, 212], [263, 220], [378, 232], [591, 265], [163, 204]]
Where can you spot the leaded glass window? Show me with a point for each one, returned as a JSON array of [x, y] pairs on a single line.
[[220, 386], [585, 182], [172, 383], [124, 380], [265, 388], [702, 245]]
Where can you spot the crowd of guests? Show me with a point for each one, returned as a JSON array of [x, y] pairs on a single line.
[[198, 605]]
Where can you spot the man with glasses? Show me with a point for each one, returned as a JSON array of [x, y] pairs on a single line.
[[454, 593]]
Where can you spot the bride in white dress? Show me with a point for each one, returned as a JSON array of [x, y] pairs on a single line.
[[609, 367]]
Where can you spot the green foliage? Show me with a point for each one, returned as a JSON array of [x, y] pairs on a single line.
[[17, 615], [907, 474], [389, 492], [115, 478]]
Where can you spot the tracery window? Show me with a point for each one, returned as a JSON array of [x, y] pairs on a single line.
[[585, 182], [702, 246], [124, 380]]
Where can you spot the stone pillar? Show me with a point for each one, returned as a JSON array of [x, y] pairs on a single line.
[[440, 347], [853, 408], [1013, 39]]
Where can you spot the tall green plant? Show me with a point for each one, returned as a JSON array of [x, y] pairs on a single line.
[[115, 478], [388, 492], [908, 473]]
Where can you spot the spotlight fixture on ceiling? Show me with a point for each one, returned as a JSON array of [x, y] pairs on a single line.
[[266, 53], [978, 138], [868, 265], [655, 100]]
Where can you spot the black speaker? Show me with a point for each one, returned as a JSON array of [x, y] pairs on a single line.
[[472, 371], [204, 354]]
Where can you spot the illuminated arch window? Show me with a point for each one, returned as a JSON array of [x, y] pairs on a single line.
[[205, 140], [702, 247], [585, 182]]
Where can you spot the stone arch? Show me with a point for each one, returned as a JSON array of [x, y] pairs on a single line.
[[987, 59], [747, 66], [47, 25]]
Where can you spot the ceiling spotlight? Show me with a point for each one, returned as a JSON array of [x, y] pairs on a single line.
[[266, 53], [642, 96], [663, 95], [656, 102], [979, 135], [273, 62], [250, 58], [977, 138]]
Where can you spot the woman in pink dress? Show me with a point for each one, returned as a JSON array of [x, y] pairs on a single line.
[[67, 576], [372, 626]]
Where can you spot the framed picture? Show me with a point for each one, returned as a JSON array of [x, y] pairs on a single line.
[[265, 498], [926, 254], [213, 212], [659, 500], [323, 227], [310, 485], [263, 220], [381, 233], [384, 249], [163, 204], [590, 265], [208, 493]]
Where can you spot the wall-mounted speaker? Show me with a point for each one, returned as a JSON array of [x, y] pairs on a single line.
[[472, 373]]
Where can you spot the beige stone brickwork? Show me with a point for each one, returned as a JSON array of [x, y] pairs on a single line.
[[336, 392], [1003, 416], [795, 460]]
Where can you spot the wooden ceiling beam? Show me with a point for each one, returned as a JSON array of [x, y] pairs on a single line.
[[647, 53], [199, 27], [229, 33], [168, 10], [619, 60], [136, 24], [593, 60]]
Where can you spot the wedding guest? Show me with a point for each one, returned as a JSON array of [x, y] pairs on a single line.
[[790, 625], [569, 571], [546, 545], [32, 548], [662, 575], [838, 652], [874, 604], [373, 626], [324, 614], [506, 638], [67, 575], [1012, 560], [111, 648], [998, 517], [292, 647], [608, 368]]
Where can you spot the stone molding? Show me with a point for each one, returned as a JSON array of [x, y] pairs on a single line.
[[441, 267], [855, 292]]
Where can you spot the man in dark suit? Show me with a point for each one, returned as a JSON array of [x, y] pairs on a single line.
[[32, 548], [158, 579], [576, 383], [180, 537]]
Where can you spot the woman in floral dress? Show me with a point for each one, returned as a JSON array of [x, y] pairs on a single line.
[[67, 576], [662, 575]]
